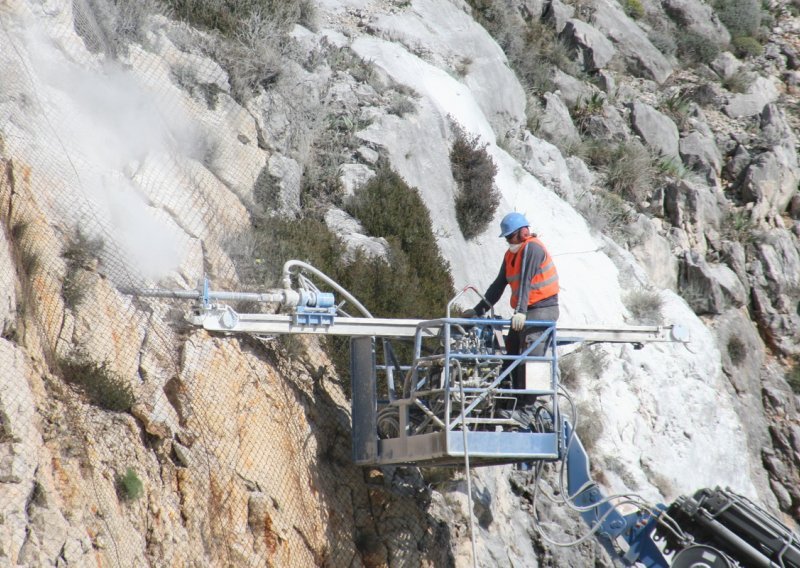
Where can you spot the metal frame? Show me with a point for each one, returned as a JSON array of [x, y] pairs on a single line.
[[446, 391]]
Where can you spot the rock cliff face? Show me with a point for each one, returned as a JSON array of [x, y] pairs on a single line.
[[139, 150]]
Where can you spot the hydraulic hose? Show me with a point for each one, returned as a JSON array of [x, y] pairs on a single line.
[[287, 282]]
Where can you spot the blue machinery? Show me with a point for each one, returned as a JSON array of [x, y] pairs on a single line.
[[462, 385], [452, 403]]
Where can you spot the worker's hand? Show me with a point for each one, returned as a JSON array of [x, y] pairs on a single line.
[[518, 321], [469, 313]]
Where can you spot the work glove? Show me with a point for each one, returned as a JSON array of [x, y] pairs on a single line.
[[518, 321], [469, 313]]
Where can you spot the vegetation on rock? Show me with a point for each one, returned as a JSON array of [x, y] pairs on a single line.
[[473, 171], [102, 386]]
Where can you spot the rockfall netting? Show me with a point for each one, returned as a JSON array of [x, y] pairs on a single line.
[[130, 437]]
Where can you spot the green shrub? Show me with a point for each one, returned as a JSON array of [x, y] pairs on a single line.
[[677, 106], [334, 144], [401, 105], [387, 207], [741, 17], [569, 372], [587, 108], [80, 254], [129, 486], [738, 226], [746, 46], [586, 361], [737, 350], [473, 170], [673, 167], [29, 258], [253, 62], [31, 261], [630, 171], [414, 282], [633, 8], [596, 152], [694, 47], [227, 16], [260, 254], [462, 67], [738, 82], [18, 231], [266, 190], [663, 39], [254, 34], [103, 387], [645, 307], [607, 212]]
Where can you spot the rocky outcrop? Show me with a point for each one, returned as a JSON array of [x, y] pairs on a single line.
[[699, 18], [641, 56], [656, 129], [592, 47]]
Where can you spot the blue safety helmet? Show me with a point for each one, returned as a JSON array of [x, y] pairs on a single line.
[[512, 222]]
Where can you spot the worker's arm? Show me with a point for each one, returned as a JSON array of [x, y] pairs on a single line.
[[493, 293]]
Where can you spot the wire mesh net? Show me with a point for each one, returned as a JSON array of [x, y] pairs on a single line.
[[130, 437]]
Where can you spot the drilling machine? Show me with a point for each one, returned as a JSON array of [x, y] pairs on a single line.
[[443, 408]]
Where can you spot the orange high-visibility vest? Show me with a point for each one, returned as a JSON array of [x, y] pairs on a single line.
[[544, 283]]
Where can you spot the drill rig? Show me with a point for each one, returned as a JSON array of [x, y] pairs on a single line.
[[452, 403]]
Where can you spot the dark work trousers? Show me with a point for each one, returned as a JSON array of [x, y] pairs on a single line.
[[518, 341]]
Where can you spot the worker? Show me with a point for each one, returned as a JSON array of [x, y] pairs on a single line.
[[530, 272]]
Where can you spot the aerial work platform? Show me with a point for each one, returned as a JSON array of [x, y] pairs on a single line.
[[450, 402], [450, 399]]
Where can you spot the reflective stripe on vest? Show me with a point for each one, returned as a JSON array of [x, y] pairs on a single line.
[[544, 283]]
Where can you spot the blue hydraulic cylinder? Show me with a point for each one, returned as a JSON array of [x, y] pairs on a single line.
[[313, 299], [314, 309], [635, 528]]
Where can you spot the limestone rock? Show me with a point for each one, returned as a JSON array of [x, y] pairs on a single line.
[[774, 275], [556, 122], [759, 94], [709, 288], [543, 160], [698, 17], [593, 49], [353, 176], [794, 207], [630, 41], [700, 153], [694, 205], [654, 253], [656, 129], [557, 13], [726, 64], [573, 92], [742, 353], [287, 174], [8, 299], [770, 181], [610, 125], [354, 237]]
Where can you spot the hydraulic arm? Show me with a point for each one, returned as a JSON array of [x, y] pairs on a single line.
[[714, 528]]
